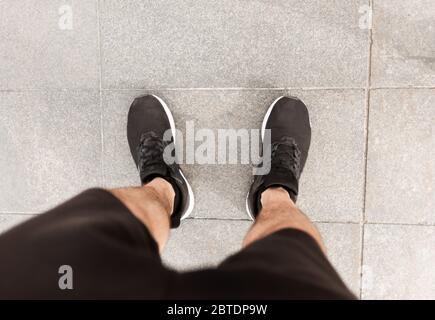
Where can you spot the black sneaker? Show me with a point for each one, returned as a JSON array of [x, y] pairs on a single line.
[[148, 119], [288, 120]]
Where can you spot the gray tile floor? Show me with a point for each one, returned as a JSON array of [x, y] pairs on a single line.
[[369, 182]]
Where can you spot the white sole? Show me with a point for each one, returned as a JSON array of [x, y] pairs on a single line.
[[191, 199], [247, 209], [263, 128], [189, 188], [266, 117]]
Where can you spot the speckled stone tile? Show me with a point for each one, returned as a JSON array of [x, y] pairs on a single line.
[[343, 244], [119, 169], [401, 153], [403, 52], [51, 147], [200, 243], [38, 52], [332, 184], [233, 43], [399, 262]]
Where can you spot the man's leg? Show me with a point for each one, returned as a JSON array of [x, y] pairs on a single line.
[[283, 258], [280, 212], [286, 264], [152, 204], [109, 239], [284, 254]]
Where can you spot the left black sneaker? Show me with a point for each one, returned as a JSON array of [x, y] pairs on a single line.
[[148, 120], [289, 124]]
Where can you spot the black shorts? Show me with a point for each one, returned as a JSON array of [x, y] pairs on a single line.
[[112, 255]]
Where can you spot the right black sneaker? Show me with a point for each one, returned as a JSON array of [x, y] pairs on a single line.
[[289, 125]]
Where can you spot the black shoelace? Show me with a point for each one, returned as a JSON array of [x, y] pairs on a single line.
[[286, 155], [150, 150]]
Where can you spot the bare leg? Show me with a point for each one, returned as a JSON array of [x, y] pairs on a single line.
[[280, 212], [152, 204]]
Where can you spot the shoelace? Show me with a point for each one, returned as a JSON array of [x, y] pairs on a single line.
[[286, 155], [150, 150]]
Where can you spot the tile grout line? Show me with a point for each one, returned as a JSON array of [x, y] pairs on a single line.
[[402, 88], [393, 224], [398, 224], [100, 88], [269, 88], [366, 146], [100, 71], [232, 88], [248, 220]]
